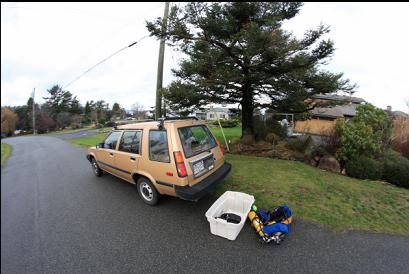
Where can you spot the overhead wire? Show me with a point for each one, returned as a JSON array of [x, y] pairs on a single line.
[[103, 60]]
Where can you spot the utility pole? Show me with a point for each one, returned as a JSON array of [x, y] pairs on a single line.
[[159, 80], [34, 113]]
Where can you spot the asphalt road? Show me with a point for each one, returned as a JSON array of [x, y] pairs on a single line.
[[78, 134], [56, 217]]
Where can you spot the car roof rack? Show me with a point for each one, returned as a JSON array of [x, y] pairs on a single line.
[[163, 119]]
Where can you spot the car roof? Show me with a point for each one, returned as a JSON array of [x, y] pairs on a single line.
[[155, 124]]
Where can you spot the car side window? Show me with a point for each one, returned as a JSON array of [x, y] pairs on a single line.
[[130, 142], [112, 139], [158, 146]]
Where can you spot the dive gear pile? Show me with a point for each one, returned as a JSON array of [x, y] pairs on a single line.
[[271, 226]]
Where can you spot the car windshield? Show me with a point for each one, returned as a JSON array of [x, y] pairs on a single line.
[[196, 139]]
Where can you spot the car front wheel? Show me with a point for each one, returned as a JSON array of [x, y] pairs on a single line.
[[97, 171], [147, 191]]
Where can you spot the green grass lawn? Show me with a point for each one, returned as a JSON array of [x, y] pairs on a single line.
[[232, 133], [333, 200], [322, 197], [90, 140], [5, 152]]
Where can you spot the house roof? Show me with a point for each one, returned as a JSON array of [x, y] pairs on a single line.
[[335, 112], [398, 113], [334, 97]]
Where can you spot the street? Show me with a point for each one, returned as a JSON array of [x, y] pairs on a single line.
[[57, 217]]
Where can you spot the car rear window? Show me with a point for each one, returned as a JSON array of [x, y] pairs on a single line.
[[196, 139]]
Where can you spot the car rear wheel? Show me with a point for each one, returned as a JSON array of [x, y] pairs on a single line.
[[97, 171], [147, 191]]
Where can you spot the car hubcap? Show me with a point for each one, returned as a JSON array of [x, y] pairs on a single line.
[[146, 191], [95, 167]]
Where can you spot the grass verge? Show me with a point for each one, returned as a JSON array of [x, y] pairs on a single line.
[[326, 198], [90, 140], [5, 152], [333, 200]]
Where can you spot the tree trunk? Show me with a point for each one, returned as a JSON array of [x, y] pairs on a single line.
[[247, 112]]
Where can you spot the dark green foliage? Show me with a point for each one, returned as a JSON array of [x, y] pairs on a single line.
[[60, 101], [88, 110], [364, 168], [264, 127], [116, 108], [300, 143], [227, 123], [368, 133], [109, 124], [237, 52], [395, 169], [318, 151]]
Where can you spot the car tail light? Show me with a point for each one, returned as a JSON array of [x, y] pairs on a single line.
[[180, 164], [221, 147]]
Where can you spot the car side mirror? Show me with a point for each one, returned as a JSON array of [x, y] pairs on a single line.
[[100, 145]]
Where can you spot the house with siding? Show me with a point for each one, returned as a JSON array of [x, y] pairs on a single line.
[[328, 109], [211, 113]]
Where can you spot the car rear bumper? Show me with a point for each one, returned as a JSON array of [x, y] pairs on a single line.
[[195, 192]]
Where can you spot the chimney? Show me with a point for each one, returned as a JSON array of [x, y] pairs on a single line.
[[389, 108]]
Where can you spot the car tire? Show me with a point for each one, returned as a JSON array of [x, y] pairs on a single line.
[[95, 167], [147, 191]]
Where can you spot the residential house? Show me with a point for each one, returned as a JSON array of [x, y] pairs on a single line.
[[328, 109], [396, 114], [212, 113]]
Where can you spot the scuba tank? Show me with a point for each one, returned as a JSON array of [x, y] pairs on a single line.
[[271, 226], [256, 223]]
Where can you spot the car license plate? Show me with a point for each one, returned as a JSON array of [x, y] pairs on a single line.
[[198, 167]]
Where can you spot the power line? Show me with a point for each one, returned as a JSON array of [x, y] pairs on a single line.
[[100, 62]]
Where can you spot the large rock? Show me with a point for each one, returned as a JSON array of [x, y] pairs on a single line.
[[329, 162]]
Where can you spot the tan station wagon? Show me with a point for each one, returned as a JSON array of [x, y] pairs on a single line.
[[180, 158]]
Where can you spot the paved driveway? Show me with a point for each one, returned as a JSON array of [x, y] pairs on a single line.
[[56, 217]]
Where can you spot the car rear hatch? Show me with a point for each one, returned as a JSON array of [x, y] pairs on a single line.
[[202, 153]]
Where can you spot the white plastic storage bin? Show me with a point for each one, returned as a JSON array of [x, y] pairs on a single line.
[[230, 202]]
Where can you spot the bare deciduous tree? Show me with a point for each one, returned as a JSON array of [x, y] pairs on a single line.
[[139, 111]]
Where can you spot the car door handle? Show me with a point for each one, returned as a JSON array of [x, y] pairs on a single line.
[[133, 158], [111, 154]]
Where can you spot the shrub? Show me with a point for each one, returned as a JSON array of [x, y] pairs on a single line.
[[263, 127], [331, 141], [300, 143], [400, 137], [364, 168], [368, 133], [318, 151], [395, 169], [272, 138], [75, 125], [110, 124], [227, 123]]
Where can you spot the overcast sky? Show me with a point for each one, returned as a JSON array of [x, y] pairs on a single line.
[[43, 44]]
